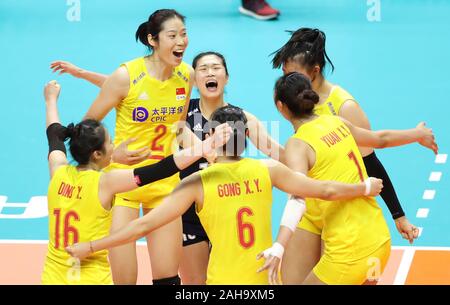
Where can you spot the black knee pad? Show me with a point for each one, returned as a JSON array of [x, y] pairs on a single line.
[[174, 280]]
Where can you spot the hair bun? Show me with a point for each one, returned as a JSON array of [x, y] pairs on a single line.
[[308, 99], [311, 95]]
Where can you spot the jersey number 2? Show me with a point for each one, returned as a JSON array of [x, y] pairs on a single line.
[[67, 229], [161, 130], [245, 227]]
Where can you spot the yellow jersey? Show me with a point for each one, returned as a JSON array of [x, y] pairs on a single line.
[[149, 113], [150, 109], [351, 229], [75, 215], [236, 215], [334, 102]]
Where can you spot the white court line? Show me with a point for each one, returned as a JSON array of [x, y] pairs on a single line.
[[435, 176], [429, 194], [422, 213], [441, 158], [405, 264], [421, 248]]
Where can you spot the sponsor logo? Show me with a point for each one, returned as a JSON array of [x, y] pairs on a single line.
[[190, 113], [140, 114], [182, 76], [143, 96], [332, 110], [198, 127], [187, 237], [137, 79]]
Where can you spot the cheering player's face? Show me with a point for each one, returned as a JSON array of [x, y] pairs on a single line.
[[172, 42], [294, 66], [211, 76]]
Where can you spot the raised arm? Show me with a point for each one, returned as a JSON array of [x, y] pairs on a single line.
[[390, 138], [55, 132], [174, 205], [67, 67], [118, 181], [262, 140], [300, 158], [299, 185]]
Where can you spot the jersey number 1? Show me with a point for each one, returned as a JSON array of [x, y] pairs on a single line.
[[352, 156], [67, 229], [245, 227]]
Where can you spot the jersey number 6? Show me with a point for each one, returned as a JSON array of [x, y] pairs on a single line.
[[245, 227]]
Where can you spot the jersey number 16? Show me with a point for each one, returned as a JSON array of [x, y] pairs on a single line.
[[67, 228]]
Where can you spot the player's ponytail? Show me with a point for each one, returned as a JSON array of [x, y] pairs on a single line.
[[85, 138], [294, 91], [141, 34], [154, 25], [306, 47], [72, 131]]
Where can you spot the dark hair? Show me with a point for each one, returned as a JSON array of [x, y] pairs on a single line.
[[203, 54], [294, 90], [237, 119], [85, 138], [154, 25], [306, 46]]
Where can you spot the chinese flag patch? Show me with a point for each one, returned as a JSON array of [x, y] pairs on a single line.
[[180, 91]]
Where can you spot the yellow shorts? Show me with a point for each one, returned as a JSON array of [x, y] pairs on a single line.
[[355, 272], [57, 274], [311, 224], [150, 196]]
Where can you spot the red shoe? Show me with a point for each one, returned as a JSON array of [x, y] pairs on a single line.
[[258, 9]]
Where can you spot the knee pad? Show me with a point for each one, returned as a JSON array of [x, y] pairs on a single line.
[[174, 280]]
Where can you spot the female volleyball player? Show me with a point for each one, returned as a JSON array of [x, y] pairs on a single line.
[[80, 197], [354, 232], [305, 53], [233, 200], [150, 95], [211, 77]]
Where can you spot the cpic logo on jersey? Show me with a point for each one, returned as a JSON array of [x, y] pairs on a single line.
[[140, 114]]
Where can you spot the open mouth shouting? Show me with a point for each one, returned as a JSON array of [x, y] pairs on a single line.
[[211, 85], [178, 54]]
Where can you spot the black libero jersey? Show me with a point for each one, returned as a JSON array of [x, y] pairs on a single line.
[[197, 124]]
